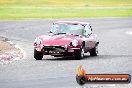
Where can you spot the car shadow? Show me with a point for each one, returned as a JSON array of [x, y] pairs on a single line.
[[88, 57], [65, 58]]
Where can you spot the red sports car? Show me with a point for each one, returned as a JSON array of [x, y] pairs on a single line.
[[67, 38]]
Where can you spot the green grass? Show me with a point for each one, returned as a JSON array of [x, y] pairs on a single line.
[[49, 12], [67, 2], [35, 9]]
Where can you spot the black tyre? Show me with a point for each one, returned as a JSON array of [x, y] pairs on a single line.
[[38, 55], [94, 51], [80, 55], [81, 80]]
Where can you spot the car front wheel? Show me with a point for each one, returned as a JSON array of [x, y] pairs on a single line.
[[80, 55], [94, 51], [38, 55]]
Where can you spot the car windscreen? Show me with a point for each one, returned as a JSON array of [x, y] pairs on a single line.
[[76, 29]]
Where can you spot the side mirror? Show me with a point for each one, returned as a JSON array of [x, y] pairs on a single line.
[[50, 33], [91, 28]]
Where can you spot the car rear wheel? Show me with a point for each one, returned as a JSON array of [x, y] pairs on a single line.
[[94, 51], [38, 55], [80, 55]]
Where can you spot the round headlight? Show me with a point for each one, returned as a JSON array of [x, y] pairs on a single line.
[[38, 41], [74, 43]]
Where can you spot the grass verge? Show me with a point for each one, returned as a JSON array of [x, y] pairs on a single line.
[[8, 51], [6, 46], [17, 12]]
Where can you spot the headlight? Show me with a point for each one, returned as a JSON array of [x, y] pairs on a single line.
[[38, 41], [74, 43]]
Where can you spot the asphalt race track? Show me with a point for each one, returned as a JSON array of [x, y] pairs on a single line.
[[115, 54]]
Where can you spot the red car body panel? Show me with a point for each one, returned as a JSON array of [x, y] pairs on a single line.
[[62, 42], [58, 40]]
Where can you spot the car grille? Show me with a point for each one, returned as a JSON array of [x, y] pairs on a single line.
[[54, 48]]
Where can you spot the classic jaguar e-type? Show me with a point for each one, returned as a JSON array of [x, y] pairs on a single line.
[[67, 38]]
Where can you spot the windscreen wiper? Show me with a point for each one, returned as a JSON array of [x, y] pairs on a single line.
[[75, 34], [60, 33]]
